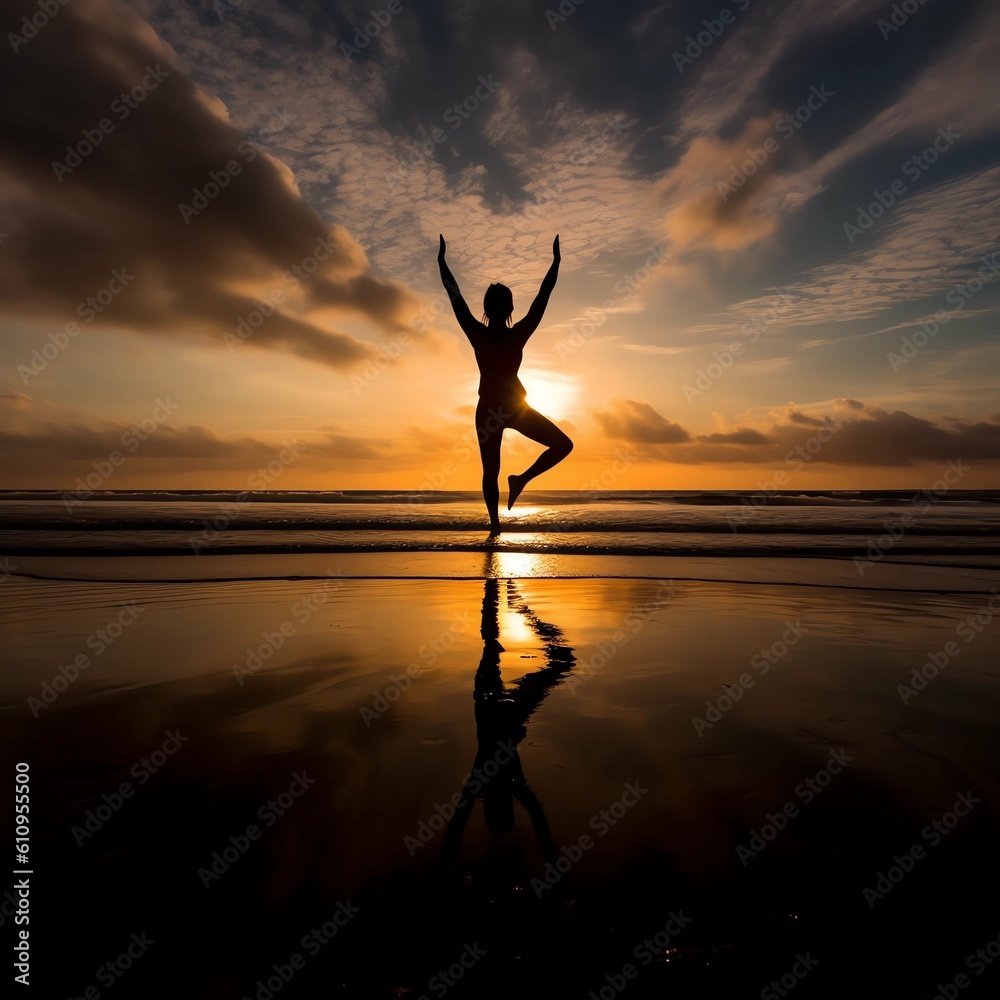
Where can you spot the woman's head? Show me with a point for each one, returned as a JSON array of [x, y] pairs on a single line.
[[498, 304]]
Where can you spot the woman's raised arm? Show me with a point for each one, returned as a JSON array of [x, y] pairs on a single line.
[[462, 312], [527, 326]]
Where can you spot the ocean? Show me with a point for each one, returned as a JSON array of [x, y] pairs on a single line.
[[889, 523]]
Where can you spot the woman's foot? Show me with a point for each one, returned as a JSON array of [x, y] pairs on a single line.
[[495, 528], [514, 484]]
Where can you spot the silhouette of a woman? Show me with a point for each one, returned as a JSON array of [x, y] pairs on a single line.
[[499, 346]]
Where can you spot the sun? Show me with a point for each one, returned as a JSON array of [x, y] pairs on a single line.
[[551, 393]]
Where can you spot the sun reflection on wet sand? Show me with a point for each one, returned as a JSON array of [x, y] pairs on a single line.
[[502, 564]]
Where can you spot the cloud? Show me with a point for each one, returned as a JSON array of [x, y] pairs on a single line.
[[851, 434], [949, 92], [638, 422], [935, 239], [727, 97], [700, 214], [752, 49], [742, 435], [98, 159], [535, 158], [46, 445], [655, 349]]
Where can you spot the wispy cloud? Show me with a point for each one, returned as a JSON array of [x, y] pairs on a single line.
[[750, 50], [936, 238]]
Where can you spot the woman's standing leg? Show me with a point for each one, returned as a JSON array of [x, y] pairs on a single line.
[[489, 432]]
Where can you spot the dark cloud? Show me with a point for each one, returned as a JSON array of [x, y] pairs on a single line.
[[797, 417], [113, 199], [854, 435], [114, 455], [873, 436]]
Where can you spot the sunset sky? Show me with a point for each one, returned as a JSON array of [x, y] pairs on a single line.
[[723, 298]]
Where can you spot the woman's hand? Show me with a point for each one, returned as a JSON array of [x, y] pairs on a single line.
[[556, 256], [441, 248]]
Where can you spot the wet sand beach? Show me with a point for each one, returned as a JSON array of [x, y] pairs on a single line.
[[285, 784]]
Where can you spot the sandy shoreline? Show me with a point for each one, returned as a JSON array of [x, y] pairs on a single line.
[[934, 574]]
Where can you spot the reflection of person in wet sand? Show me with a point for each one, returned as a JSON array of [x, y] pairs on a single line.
[[502, 716], [499, 347]]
